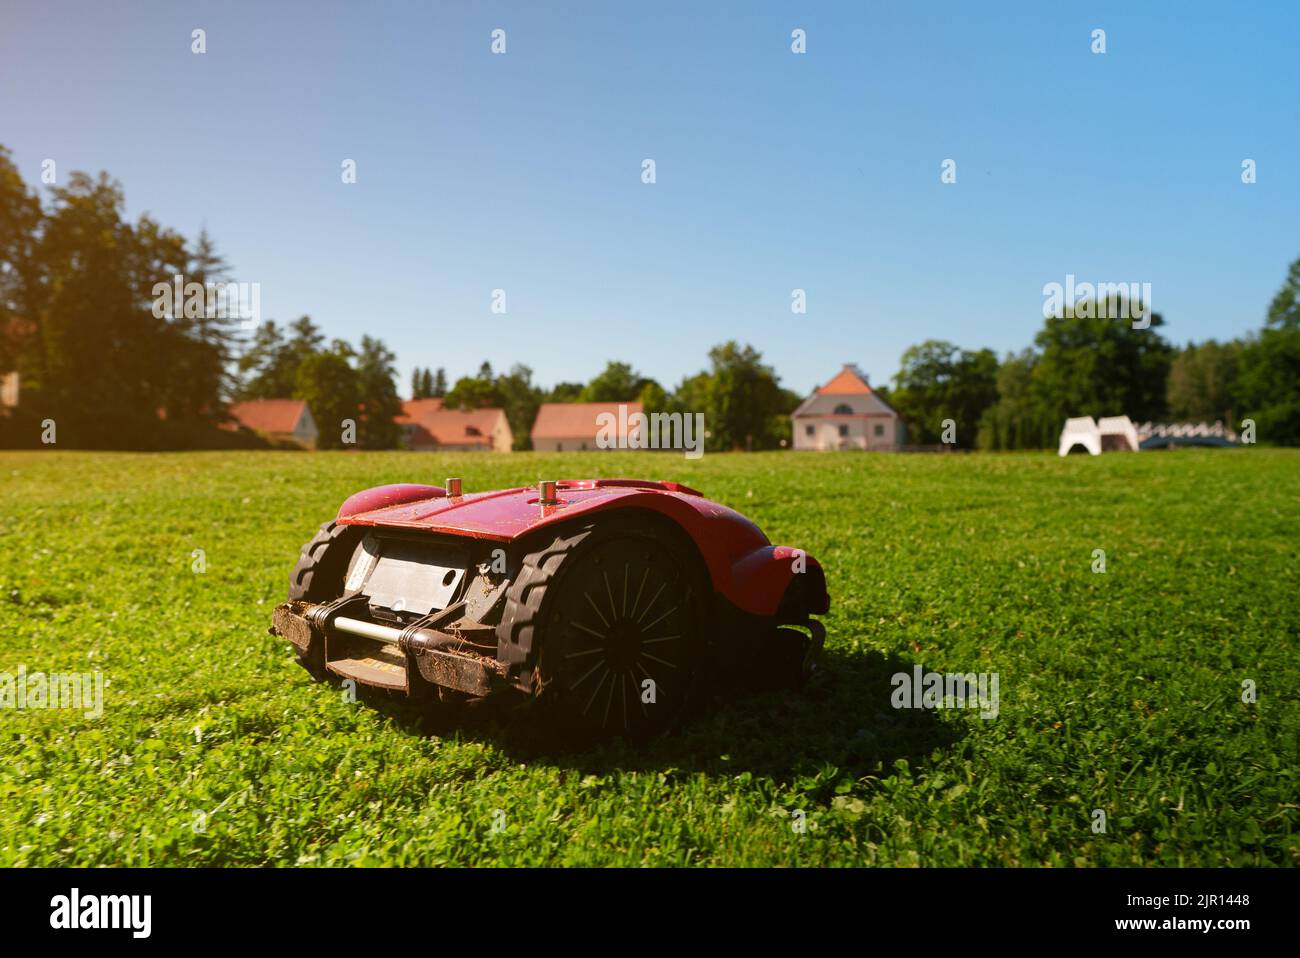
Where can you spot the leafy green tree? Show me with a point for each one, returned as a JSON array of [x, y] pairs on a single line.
[[105, 353], [652, 397], [939, 381], [1088, 361], [1284, 310], [21, 280], [617, 382], [329, 384], [1098, 365], [1203, 381], [1269, 383], [1017, 420], [691, 394], [473, 393], [745, 407], [439, 387], [521, 399], [565, 392]]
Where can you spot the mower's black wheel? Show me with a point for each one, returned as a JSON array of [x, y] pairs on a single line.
[[323, 565], [617, 617], [319, 576]]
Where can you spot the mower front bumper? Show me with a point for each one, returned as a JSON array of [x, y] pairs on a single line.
[[343, 642]]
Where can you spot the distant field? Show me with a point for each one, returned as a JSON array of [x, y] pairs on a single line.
[[1119, 691]]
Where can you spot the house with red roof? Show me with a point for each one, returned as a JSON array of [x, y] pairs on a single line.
[[282, 419], [428, 427], [573, 426], [846, 413]]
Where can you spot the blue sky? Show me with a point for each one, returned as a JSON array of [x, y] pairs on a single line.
[[775, 171]]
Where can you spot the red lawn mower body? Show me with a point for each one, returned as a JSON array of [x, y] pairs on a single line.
[[743, 565], [620, 598]]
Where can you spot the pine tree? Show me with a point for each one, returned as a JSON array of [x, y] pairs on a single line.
[[376, 381]]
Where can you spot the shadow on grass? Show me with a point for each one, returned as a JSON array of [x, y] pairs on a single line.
[[841, 718]]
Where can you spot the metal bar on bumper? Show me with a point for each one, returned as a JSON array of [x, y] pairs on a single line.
[[301, 623]]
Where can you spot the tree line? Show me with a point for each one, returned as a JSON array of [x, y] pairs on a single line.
[[340, 384], [743, 403], [77, 321], [1088, 360], [102, 365]]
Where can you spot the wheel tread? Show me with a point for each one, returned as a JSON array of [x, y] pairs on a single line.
[[312, 557], [525, 596]]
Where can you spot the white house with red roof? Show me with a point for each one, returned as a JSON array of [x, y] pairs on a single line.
[[574, 426], [846, 413], [283, 419], [429, 426]]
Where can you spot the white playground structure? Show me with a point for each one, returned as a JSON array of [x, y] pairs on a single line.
[[1108, 434]]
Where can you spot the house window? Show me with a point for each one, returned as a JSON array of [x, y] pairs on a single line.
[[844, 409], [880, 429], [844, 432], [810, 430]]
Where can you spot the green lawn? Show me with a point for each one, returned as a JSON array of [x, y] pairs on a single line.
[[1119, 691]]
